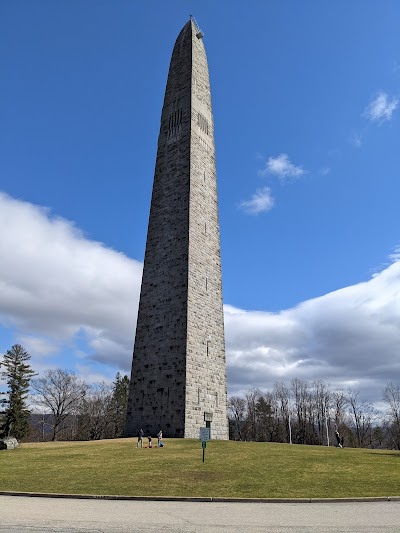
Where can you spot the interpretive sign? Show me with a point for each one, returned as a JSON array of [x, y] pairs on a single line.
[[204, 434]]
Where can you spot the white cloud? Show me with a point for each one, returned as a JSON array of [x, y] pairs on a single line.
[[381, 108], [60, 289], [261, 201], [64, 292], [350, 334], [282, 167]]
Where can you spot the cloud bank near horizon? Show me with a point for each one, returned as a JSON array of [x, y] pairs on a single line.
[[63, 293], [72, 302]]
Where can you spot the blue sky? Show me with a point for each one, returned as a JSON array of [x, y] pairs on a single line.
[[307, 125]]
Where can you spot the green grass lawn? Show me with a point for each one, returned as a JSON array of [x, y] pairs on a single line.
[[231, 469]]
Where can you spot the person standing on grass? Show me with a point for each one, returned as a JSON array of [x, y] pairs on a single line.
[[140, 439], [159, 437], [150, 444]]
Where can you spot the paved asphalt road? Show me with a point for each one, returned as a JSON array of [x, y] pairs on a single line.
[[23, 514]]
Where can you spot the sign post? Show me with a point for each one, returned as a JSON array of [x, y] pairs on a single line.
[[204, 437]]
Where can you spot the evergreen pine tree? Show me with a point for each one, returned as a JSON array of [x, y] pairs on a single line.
[[120, 402], [18, 374]]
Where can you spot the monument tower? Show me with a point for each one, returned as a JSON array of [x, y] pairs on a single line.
[[178, 380]]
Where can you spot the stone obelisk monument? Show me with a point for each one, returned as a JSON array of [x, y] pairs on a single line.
[[178, 381]]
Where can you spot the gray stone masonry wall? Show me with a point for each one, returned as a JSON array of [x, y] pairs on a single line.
[[178, 367]]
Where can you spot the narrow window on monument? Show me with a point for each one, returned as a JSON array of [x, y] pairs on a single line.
[[206, 283], [208, 347], [198, 395], [205, 228]]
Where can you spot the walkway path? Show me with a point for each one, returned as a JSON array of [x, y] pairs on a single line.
[[47, 515]]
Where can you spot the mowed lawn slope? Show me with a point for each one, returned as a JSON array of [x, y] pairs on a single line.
[[231, 469]]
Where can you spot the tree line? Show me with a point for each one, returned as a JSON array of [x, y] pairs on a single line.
[[305, 412], [62, 406], [65, 407]]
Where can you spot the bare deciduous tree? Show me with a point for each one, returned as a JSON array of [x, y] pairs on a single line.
[[339, 402], [322, 398], [60, 392], [252, 397], [283, 398], [363, 414], [310, 413], [95, 418], [237, 414], [301, 398], [391, 395]]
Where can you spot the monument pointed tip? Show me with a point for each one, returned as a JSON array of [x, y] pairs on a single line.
[[196, 27]]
